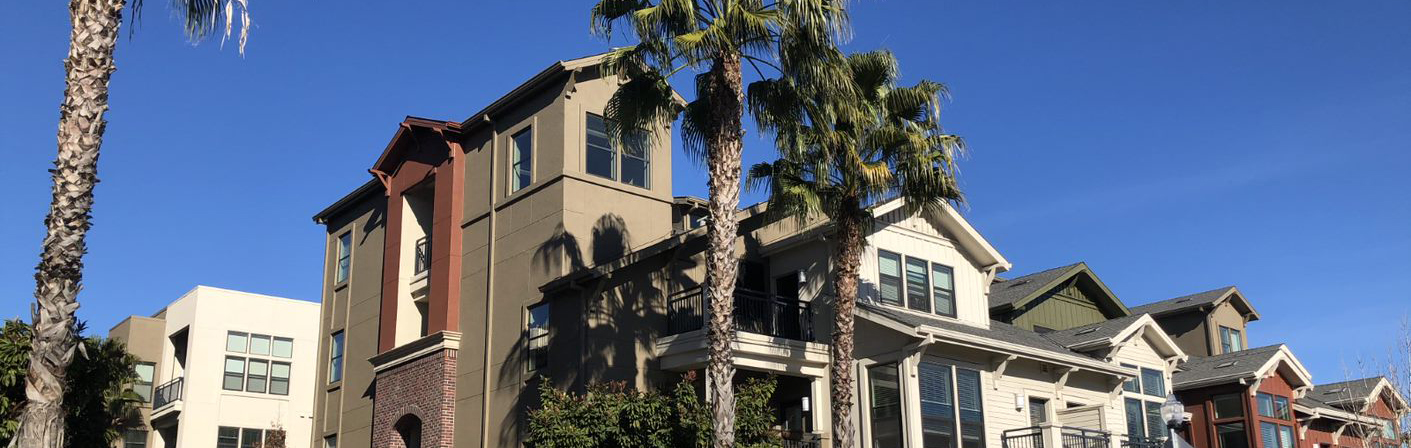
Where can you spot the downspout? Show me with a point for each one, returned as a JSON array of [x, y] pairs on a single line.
[[485, 390]]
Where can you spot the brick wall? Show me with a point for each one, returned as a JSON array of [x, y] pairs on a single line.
[[420, 390]]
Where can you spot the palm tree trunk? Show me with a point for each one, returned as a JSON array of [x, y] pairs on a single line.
[[59, 275], [848, 257], [723, 144]]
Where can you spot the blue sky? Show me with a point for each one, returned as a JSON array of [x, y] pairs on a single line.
[[1174, 146]]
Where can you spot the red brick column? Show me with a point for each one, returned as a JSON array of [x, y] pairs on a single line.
[[424, 388]]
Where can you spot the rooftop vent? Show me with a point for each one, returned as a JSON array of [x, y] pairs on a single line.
[[1227, 364], [1086, 331], [1182, 300], [1340, 390]]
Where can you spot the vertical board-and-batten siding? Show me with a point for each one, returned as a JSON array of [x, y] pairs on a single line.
[[1068, 307], [915, 236]]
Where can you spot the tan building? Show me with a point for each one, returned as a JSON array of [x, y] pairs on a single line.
[[519, 245], [222, 368]]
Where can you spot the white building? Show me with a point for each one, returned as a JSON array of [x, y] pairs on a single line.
[[226, 367]]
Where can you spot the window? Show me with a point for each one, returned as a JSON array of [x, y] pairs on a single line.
[[236, 342], [345, 257], [134, 438], [1266, 405], [234, 373], [1281, 408], [335, 357], [1231, 435], [521, 159], [972, 414], [227, 437], [1275, 436], [1155, 425], [1136, 426], [1153, 383], [938, 421], [257, 376], [601, 158], [143, 386], [283, 348], [279, 378], [330, 441], [1228, 406], [1134, 384], [259, 344], [943, 289], [1230, 340], [251, 438], [918, 285], [538, 337], [1038, 411], [889, 285], [885, 405]]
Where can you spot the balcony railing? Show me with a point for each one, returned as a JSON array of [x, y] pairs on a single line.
[[755, 312], [423, 256], [167, 393], [800, 441], [1061, 436], [1142, 442]]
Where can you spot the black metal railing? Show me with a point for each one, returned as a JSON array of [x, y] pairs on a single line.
[[423, 256], [1068, 437], [755, 312], [1142, 442], [1085, 438], [1031, 437], [800, 441], [169, 392]]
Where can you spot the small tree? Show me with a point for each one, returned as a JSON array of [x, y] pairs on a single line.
[[99, 402], [616, 415]]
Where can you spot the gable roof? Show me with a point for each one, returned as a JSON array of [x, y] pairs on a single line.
[[999, 337], [1016, 292], [1209, 298], [1244, 365], [1112, 332], [1358, 392], [967, 237]]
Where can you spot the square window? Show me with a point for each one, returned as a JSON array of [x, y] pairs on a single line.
[[259, 344], [330, 441], [227, 437], [1153, 382], [251, 438], [1266, 405], [236, 342], [283, 348], [134, 438], [1231, 435], [1229, 406]]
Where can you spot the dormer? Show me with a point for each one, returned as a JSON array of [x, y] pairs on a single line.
[[1206, 323], [1054, 299]]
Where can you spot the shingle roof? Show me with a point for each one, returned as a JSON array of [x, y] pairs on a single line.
[[1234, 365], [998, 330], [1088, 333], [1009, 291], [1344, 391], [1182, 303]]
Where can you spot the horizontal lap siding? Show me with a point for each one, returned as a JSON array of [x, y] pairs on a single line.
[[1025, 379], [1139, 352]]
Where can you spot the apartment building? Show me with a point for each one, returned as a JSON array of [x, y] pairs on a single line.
[[520, 245], [1360, 413], [222, 368]]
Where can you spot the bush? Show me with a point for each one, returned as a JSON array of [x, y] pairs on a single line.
[[614, 415]]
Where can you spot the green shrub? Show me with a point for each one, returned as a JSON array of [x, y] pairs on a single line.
[[614, 415]]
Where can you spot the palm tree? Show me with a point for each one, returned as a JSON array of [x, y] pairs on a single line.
[[59, 276], [853, 148], [720, 35]]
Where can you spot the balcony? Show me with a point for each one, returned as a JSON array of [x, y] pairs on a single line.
[[422, 260], [166, 401], [1142, 442], [755, 312], [1053, 436]]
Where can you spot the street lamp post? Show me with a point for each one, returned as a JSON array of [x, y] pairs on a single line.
[[1174, 413]]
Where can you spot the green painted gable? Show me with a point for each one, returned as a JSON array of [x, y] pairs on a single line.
[[1076, 301]]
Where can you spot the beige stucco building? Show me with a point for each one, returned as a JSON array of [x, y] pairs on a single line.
[[221, 368]]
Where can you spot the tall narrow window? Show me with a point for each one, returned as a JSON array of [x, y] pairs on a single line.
[[257, 376], [234, 373], [636, 163], [886, 406], [601, 157], [937, 406], [279, 378], [1231, 340], [1155, 425], [522, 159], [335, 357], [143, 386], [1134, 384], [1281, 408], [889, 282], [972, 414], [538, 337], [918, 284], [1136, 418], [1038, 411], [345, 257], [943, 289], [1268, 435], [1266, 405]]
